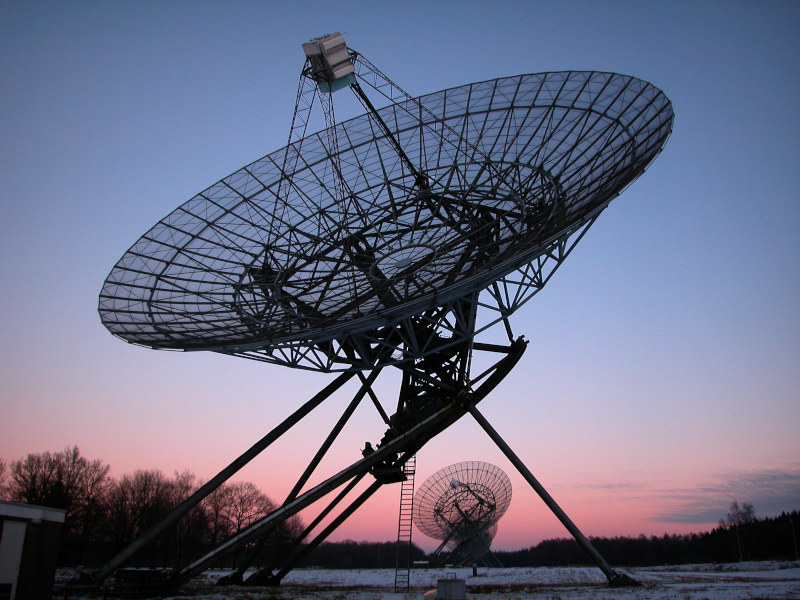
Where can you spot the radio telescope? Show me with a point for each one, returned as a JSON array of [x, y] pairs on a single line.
[[390, 241], [460, 506]]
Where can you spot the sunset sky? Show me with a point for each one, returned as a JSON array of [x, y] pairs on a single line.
[[662, 380]]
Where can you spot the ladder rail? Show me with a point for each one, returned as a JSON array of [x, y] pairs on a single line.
[[402, 573]]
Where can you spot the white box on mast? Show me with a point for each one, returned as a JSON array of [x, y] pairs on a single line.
[[331, 66]]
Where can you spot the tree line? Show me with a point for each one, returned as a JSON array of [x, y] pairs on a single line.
[[738, 537], [104, 514]]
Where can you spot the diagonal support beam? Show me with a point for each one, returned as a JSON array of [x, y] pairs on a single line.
[[323, 450], [414, 437], [308, 548], [221, 478], [614, 578]]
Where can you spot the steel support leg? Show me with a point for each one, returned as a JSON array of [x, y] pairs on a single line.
[[238, 576], [614, 578], [220, 478], [414, 437], [291, 562]]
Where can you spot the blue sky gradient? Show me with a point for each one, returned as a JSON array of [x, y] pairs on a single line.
[[663, 376]]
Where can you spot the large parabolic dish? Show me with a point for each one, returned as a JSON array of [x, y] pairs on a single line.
[[391, 239], [286, 261]]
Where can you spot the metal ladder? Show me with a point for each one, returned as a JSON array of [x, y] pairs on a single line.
[[402, 572]]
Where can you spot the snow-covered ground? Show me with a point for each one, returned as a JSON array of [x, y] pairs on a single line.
[[745, 581], [741, 581]]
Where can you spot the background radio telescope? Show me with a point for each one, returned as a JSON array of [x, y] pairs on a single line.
[[460, 506], [391, 240]]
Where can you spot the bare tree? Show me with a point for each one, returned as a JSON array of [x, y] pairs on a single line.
[[88, 484], [247, 505], [3, 475], [233, 507], [2, 479], [104, 514], [135, 503], [737, 518], [191, 529], [64, 480], [283, 537], [216, 505], [34, 480]]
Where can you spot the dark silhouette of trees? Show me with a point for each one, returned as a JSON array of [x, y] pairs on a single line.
[[34, 481], [3, 477], [216, 509], [62, 480], [191, 531], [236, 506], [281, 538], [105, 514], [737, 524], [246, 505], [68, 481], [766, 539], [136, 503]]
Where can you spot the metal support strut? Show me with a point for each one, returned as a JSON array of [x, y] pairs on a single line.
[[220, 478], [615, 579], [420, 179]]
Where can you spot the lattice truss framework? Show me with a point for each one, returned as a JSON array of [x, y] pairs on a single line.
[[286, 262], [461, 504]]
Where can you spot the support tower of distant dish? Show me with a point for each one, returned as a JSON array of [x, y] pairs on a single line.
[[460, 505]]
